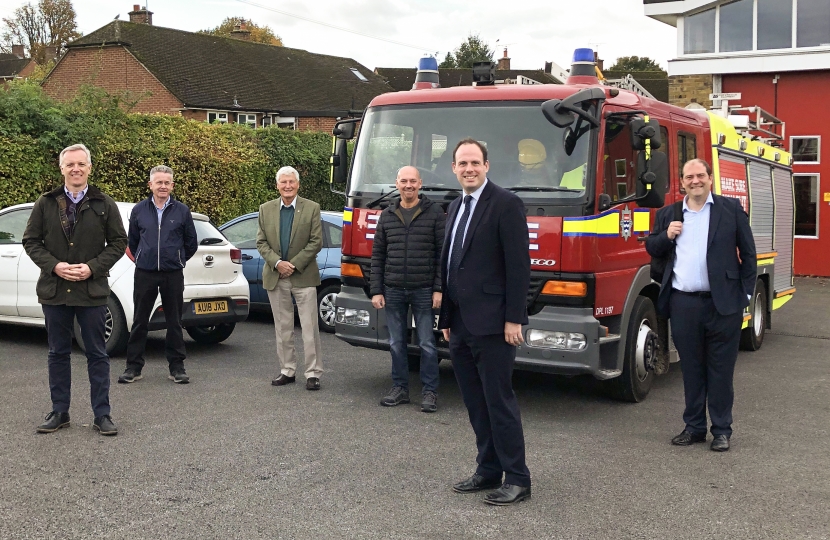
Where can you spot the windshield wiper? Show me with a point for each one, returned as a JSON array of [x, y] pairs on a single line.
[[382, 197], [540, 188]]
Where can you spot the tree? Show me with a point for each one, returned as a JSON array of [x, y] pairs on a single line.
[[259, 34], [50, 24], [474, 49], [633, 64]]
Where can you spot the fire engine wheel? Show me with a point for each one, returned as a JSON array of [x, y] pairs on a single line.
[[752, 337], [641, 348]]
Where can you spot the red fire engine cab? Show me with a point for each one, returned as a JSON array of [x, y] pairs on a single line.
[[592, 164]]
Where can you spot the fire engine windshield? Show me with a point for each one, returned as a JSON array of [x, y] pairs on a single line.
[[527, 154]]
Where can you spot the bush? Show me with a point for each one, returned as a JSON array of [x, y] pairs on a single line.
[[220, 170]]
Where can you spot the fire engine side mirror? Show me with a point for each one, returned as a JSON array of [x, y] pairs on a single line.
[[339, 161], [345, 130], [653, 179], [642, 131]]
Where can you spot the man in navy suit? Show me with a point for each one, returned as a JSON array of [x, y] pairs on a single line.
[[486, 276], [706, 286]]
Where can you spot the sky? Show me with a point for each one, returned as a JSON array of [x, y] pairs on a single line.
[[396, 33]]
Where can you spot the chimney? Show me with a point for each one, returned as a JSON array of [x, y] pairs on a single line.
[[50, 53], [598, 61], [140, 15], [19, 51], [241, 32], [504, 61]]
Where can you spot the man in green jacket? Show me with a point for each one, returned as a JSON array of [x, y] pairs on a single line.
[[289, 237], [75, 235]]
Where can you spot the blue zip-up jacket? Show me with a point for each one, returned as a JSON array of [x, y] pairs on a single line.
[[164, 246]]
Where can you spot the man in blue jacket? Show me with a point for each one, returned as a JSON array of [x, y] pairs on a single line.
[[162, 238]]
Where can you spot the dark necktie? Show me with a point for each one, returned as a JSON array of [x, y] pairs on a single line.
[[457, 246]]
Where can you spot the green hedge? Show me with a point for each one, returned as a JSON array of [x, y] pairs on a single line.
[[220, 170]]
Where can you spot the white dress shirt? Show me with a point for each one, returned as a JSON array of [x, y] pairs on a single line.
[[476, 195]]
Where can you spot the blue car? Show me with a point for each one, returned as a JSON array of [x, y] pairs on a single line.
[[241, 232]]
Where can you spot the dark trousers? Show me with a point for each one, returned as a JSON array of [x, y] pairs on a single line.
[[398, 303], [147, 287], [59, 327], [707, 343], [483, 367]]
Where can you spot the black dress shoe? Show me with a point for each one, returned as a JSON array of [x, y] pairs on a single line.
[[312, 383], [104, 425], [687, 438], [54, 421], [282, 380], [720, 444], [476, 483], [508, 494]]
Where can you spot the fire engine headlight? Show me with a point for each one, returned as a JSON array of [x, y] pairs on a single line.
[[355, 317], [556, 340]]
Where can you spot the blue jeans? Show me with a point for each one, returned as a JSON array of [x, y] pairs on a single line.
[[398, 303], [59, 327]]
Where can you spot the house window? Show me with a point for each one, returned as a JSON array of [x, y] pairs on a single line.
[[247, 119], [736, 26], [806, 204], [359, 75], [285, 122], [266, 121], [813, 23], [805, 149], [775, 24], [699, 32], [217, 117]]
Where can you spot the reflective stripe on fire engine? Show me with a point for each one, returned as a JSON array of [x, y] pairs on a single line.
[[347, 215], [605, 224]]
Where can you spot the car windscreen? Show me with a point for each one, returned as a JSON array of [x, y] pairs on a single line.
[[527, 154]]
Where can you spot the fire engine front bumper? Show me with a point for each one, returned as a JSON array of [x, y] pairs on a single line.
[[558, 340]]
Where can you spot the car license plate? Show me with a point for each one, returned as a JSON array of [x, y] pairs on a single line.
[[207, 308], [434, 322]]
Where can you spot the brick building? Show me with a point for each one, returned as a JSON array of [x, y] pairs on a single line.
[[214, 79], [776, 54]]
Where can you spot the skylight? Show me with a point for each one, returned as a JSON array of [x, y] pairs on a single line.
[[359, 75]]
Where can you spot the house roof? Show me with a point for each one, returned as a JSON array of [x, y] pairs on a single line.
[[402, 78], [212, 72], [11, 65]]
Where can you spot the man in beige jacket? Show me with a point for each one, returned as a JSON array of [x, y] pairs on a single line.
[[289, 237]]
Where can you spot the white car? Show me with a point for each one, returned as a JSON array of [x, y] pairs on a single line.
[[216, 293]]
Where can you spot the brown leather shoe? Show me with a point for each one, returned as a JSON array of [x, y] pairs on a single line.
[[312, 383], [283, 379]]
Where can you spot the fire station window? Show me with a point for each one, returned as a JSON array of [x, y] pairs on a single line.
[[806, 204], [217, 117], [686, 150], [805, 149], [699, 32], [775, 24], [246, 119], [736, 26], [813, 23]]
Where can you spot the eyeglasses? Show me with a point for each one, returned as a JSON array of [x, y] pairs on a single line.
[[80, 165]]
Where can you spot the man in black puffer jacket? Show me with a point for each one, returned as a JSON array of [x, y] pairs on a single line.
[[406, 273], [162, 237]]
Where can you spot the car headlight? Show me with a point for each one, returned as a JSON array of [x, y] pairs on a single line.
[[556, 340], [355, 317]]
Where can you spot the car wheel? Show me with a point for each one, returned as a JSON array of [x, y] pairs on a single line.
[[116, 332], [211, 335], [641, 349], [752, 337], [326, 311]]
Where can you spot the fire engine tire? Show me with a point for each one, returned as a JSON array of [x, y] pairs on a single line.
[[752, 337], [211, 335], [116, 332], [635, 382]]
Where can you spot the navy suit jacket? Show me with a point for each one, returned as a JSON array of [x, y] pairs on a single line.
[[731, 280], [494, 272]]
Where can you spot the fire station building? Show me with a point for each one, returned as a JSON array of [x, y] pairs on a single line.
[[776, 54]]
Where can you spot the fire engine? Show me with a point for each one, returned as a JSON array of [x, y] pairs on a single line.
[[592, 163]]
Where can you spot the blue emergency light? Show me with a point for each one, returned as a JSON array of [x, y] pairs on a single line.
[[428, 63], [583, 55], [583, 64], [427, 74]]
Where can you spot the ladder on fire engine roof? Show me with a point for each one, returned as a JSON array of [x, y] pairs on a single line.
[[629, 83], [757, 124]]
